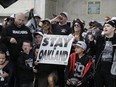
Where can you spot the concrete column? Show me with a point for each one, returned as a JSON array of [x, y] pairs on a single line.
[[39, 7]]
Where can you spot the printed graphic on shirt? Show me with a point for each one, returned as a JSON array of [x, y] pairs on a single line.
[[19, 32], [63, 30], [78, 69], [1, 72], [29, 62], [107, 53]]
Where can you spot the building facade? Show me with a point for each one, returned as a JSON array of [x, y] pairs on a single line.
[[84, 9]]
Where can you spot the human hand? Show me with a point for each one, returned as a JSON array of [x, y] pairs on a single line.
[[68, 82], [13, 40], [90, 37], [36, 62], [57, 18], [34, 70], [79, 83], [4, 75]]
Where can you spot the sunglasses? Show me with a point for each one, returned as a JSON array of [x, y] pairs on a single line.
[[76, 25]]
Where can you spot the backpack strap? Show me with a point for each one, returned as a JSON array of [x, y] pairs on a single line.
[[87, 67], [72, 62]]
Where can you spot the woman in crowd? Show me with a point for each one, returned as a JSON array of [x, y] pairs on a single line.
[[46, 27], [77, 30]]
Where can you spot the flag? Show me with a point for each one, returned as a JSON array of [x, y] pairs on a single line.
[[32, 24], [7, 3]]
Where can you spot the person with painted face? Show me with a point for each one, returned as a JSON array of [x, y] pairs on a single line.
[[25, 65], [104, 49]]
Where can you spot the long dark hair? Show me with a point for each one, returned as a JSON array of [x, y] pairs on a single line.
[[80, 23]]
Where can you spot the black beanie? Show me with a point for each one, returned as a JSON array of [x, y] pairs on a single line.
[[112, 23]]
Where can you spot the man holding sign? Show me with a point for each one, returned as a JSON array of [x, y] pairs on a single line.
[[55, 49]]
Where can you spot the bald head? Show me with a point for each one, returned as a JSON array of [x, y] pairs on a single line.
[[19, 19]]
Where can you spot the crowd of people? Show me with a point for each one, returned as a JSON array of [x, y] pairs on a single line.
[[91, 54]]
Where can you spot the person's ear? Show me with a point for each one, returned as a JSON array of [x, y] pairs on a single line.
[[114, 28]]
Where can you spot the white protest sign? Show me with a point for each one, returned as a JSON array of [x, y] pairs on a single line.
[[55, 49]]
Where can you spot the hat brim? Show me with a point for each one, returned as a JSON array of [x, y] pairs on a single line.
[[37, 34], [63, 15], [79, 46], [45, 21]]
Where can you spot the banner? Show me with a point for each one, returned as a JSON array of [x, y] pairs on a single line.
[[31, 23], [55, 49], [7, 3]]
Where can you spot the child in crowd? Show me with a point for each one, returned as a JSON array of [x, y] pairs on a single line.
[[78, 69], [25, 62], [5, 71]]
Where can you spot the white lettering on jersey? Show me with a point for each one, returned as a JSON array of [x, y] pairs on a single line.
[[19, 32], [78, 70]]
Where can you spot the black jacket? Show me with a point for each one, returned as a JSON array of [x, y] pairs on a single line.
[[25, 71], [97, 49], [8, 70]]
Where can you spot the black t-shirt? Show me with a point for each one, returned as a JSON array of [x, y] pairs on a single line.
[[61, 29]]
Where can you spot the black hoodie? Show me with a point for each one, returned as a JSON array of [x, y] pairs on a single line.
[[20, 34], [25, 71]]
